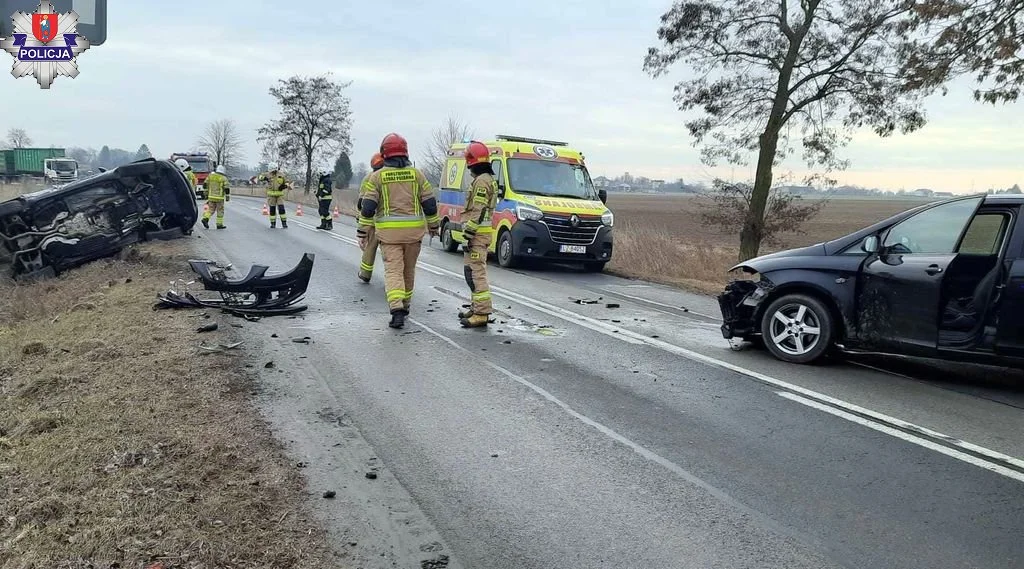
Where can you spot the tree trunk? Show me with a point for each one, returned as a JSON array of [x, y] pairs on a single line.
[[753, 227], [309, 172]]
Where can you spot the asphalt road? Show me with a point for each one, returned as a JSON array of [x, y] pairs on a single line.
[[579, 435]]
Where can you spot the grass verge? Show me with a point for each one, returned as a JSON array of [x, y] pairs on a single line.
[[122, 446], [644, 252]]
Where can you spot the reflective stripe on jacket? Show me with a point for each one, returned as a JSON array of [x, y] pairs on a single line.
[[480, 203], [399, 194], [216, 184]]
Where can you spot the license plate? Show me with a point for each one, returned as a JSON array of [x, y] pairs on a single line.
[[572, 249]]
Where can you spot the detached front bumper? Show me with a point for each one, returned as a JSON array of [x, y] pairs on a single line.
[[739, 305]]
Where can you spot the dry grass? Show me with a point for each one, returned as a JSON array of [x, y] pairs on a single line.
[[121, 446], [662, 238], [13, 190]]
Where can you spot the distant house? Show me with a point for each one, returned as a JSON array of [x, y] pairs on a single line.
[[602, 182], [944, 194], [623, 187], [922, 193], [657, 184]]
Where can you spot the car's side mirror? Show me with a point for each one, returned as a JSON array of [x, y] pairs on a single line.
[[603, 195], [870, 244]]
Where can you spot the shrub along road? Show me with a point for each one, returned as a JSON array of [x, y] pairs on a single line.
[[571, 435]]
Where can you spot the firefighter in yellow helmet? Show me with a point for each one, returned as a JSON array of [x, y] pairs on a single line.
[[400, 204], [217, 192], [186, 168], [476, 228], [370, 251], [275, 196]]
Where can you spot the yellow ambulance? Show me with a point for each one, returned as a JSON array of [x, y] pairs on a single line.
[[548, 208]]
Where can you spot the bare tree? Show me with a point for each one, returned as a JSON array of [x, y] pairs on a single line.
[[959, 37], [18, 138], [314, 123], [223, 141], [768, 70], [728, 204], [441, 139]]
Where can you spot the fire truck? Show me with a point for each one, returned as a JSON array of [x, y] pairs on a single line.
[[201, 167]]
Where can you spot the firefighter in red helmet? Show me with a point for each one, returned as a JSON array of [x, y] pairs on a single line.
[[476, 228], [401, 206], [370, 251]]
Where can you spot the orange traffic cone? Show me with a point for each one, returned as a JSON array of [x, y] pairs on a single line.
[[298, 210], [337, 212], [266, 211]]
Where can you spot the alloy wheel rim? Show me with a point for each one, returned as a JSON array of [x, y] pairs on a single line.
[[795, 329]]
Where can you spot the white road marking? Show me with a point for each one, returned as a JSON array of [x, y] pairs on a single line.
[[619, 438], [968, 458], [836, 407], [656, 303]]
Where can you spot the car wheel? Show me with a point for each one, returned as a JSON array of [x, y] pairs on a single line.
[[594, 267], [447, 241], [505, 254], [797, 328]]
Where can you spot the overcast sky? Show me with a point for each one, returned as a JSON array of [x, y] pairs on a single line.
[[569, 70]]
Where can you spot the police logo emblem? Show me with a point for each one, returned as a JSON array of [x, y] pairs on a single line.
[[45, 44], [545, 151]]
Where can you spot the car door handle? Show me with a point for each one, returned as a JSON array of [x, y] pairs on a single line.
[[933, 269]]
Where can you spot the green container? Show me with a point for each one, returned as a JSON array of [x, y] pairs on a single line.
[[5, 156], [30, 160]]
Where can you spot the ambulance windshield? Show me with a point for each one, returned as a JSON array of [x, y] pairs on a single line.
[[547, 178]]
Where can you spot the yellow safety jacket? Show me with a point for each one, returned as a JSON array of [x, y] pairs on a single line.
[[480, 203], [191, 176], [216, 187]]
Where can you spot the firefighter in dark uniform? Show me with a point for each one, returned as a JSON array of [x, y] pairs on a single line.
[[324, 196]]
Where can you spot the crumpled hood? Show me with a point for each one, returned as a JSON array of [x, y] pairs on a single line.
[[565, 205], [781, 260]]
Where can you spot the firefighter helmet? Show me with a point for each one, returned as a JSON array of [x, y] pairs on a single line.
[[221, 169], [181, 163], [377, 162], [272, 167], [476, 153], [394, 145]]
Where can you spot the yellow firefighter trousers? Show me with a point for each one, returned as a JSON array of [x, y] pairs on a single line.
[[399, 272], [369, 254], [475, 269], [215, 206]]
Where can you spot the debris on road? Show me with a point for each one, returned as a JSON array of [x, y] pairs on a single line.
[[330, 494], [371, 475], [586, 300], [219, 348], [251, 296], [269, 365], [302, 340], [612, 305], [207, 327]]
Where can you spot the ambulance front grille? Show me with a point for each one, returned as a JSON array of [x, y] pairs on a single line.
[[562, 232]]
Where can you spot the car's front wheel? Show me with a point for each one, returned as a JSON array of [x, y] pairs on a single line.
[[797, 328], [506, 254]]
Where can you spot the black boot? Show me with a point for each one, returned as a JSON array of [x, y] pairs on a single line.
[[284, 224], [323, 225], [398, 319], [330, 225]]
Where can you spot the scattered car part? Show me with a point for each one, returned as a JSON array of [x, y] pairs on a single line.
[[256, 294], [52, 230]]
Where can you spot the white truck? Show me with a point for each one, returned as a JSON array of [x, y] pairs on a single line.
[[60, 170]]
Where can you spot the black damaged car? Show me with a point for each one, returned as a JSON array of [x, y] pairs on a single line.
[[46, 232], [944, 280]]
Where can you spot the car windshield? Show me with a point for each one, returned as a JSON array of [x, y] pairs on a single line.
[[548, 178], [63, 165]]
